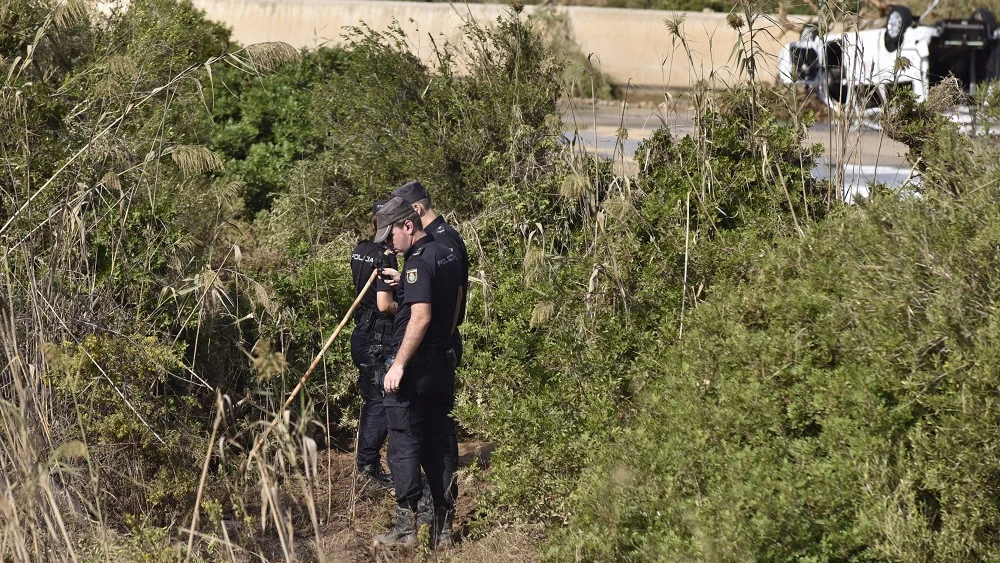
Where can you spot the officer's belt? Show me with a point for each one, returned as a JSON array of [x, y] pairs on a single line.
[[365, 316], [429, 354]]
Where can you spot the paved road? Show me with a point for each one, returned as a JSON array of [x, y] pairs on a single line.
[[865, 155]]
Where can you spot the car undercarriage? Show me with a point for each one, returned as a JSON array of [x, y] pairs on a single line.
[[856, 73]]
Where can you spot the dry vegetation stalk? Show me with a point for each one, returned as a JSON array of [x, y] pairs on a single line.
[[204, 474], [305, 377]]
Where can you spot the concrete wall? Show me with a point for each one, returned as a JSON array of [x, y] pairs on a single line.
[[629, 45]]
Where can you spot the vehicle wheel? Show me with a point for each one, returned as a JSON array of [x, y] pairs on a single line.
[[900, 18], [809, 32], [986, 16]]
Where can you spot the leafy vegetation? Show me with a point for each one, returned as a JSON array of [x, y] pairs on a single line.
[[835, 405], [708, 359], [175, 231]]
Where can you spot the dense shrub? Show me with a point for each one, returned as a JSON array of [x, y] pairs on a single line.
[[262, 123], [605, 273], [835, 405], [176, 230], [99, 225]]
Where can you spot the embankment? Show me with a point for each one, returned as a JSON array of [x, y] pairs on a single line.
[[631, 46]]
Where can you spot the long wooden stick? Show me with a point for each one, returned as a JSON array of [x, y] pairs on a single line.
[[305, 376]]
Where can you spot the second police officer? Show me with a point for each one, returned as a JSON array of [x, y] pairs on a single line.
[[372, 328]]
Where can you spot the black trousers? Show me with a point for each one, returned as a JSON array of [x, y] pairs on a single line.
[[422, 432], [372, 429]]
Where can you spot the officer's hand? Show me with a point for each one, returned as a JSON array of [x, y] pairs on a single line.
[[390, 276], [392, 379]]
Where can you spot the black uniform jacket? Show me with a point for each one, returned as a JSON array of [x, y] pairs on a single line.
[[432, 274], [364, 259], [448, 236]]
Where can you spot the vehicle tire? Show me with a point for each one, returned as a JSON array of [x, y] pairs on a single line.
[[809, 32], [985, 15], [900, 19], [993, 61]]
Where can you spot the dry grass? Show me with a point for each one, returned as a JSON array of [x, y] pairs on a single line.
[[195, 160], [574, 186], [343, 538], [270, 55], [541, 313]]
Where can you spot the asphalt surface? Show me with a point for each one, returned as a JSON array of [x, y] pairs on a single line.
[[862, 155]]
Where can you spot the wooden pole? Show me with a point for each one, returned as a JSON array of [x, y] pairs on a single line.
[[305, 377]]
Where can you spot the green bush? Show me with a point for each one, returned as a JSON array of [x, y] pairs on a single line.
[[144, 432], [110, 222], [552, 380], [834, 405], [262, 124]]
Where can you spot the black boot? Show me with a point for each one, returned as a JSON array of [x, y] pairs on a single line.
[[404, 533], [372, 475], [441, 533], [426, 503]]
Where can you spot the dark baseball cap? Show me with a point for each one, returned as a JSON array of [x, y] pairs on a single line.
[[412, 192], [396, 209], [378, 205]]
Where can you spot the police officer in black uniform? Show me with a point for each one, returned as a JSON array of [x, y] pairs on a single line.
[[420, 381], [372, 328], [417, 196]]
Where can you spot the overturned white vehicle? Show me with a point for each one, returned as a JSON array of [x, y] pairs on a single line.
[[854, 73]]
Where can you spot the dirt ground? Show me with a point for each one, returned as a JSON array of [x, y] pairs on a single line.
[[349, 519]]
